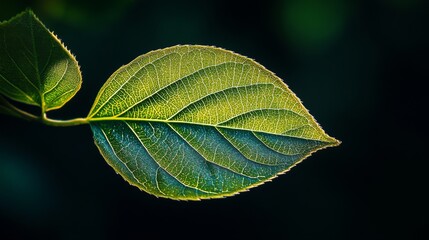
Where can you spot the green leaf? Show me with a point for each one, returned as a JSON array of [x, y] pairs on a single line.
[[35, 67], [196, 122]]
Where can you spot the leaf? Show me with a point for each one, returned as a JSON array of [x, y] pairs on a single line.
[[35, 67], [196, 122]]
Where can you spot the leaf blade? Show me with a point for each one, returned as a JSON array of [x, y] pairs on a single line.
[[204, 117], [36, 68]]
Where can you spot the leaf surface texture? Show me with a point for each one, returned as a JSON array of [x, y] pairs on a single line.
[[194, 122]]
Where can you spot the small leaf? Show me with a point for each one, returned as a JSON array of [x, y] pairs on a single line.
[[196, 122], [35, 67]]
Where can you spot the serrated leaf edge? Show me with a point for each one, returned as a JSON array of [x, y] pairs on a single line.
[[58, 40]]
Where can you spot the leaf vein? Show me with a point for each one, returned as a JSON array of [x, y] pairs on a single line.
[[17, 66], [58, 82], [116, 155], [154, 159], [103, 89], [179, 80], [243, 154], [199, 153]]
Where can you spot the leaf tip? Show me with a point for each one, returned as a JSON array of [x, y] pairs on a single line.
[[332, 142]]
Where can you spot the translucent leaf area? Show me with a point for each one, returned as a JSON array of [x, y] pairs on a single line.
[[196, 122]]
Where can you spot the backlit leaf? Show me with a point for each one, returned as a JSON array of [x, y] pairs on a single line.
[[35, 67], [196, 122]]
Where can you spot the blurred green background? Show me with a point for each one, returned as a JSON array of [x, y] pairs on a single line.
[[359, 66]]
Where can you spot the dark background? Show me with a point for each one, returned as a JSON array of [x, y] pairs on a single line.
[[358, 66]]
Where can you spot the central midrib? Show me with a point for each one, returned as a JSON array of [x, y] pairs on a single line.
[[166, 121], [103, 119]]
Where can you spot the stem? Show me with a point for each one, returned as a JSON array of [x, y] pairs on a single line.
[[62, 123], [59, 123], [43, 118]]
